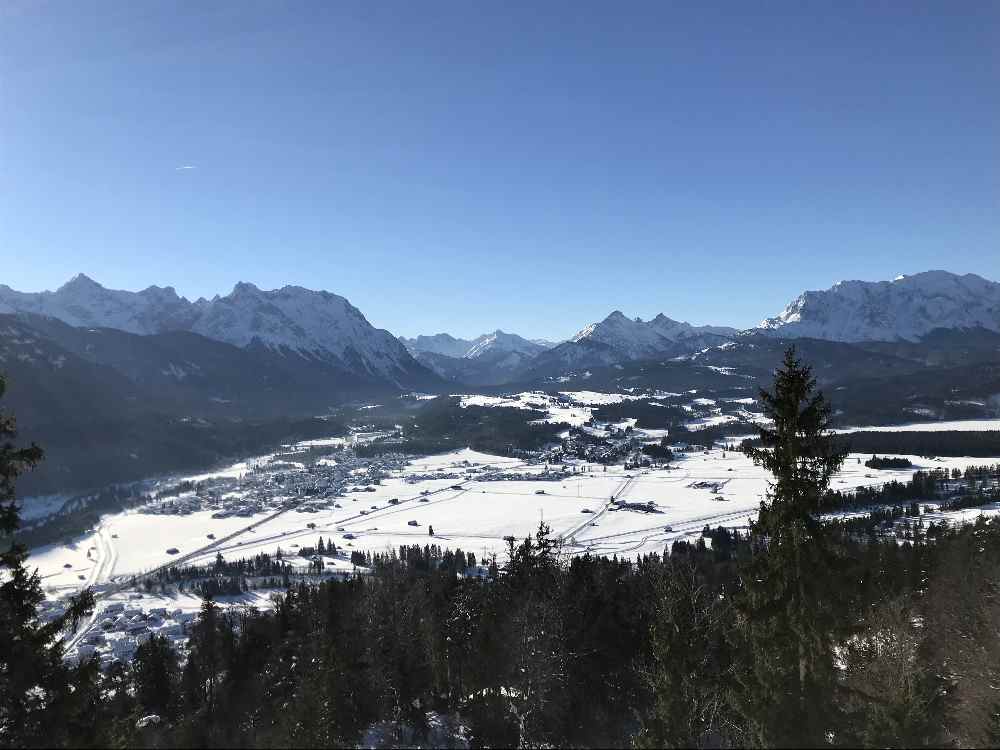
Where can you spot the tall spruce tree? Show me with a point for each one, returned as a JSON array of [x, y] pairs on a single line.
[[788, 606], [35, 688]]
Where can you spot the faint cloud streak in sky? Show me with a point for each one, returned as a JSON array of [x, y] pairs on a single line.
[[184, 167]]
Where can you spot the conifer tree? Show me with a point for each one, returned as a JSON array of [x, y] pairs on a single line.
[[35, 687], [156, 675], [787, 603], [205, 651]]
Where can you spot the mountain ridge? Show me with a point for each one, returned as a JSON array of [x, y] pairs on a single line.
[[486, 343], [904, 309], [290, 320], [324, 327]]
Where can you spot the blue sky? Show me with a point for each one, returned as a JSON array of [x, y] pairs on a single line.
[[463, 166]]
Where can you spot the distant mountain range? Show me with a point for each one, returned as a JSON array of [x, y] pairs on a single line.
[[293, 321], [119, 385], [619, 339], [906, 309], [328, 334], [86, 359], [489, 359], [486, 344], [326, 331]]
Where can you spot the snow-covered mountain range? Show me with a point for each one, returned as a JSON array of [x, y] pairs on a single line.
[[486, 344], [636, 339], [290, 320], [83, 302], [618, 339], [488, 359], [498, 341], [326, 328], [904, 309]]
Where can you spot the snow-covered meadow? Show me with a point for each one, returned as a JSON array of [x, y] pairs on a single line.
[[960, 425], [576, 408], [713, 488]]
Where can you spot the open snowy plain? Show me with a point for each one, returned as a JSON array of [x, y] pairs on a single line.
[[713, 488]]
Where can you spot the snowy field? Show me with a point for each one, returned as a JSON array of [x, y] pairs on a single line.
[[556, 411], [962, 425], [575, 408], [715, 488]]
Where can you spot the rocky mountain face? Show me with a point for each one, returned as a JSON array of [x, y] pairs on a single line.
[[618, 339], [905, 309], [312, 324], [290, 321], [637, 339], [83, 302]]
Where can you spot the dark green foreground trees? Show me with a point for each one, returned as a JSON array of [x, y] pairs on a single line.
[[40, 701], [797, 633]]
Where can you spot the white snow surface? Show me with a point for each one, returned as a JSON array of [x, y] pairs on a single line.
[[596, 398], [476, 516], [961, 425], [555, 411]]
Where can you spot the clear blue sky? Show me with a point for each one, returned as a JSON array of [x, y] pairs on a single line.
[[462, 166]]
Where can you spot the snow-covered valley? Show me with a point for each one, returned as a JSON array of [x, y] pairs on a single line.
[[464, 500]]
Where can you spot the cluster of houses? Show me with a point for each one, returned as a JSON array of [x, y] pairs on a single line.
[[278, 484], [551, 473], [123, 626], [424, 476], [647, 506], [595, 449]]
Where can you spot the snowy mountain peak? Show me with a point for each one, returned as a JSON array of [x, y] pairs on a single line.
[[618, 338], [311, 323], [618, 330], [80, 283], [488, 343], [81, 301], [906, 308], [244, 289], [319, 325], [508, 343]]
